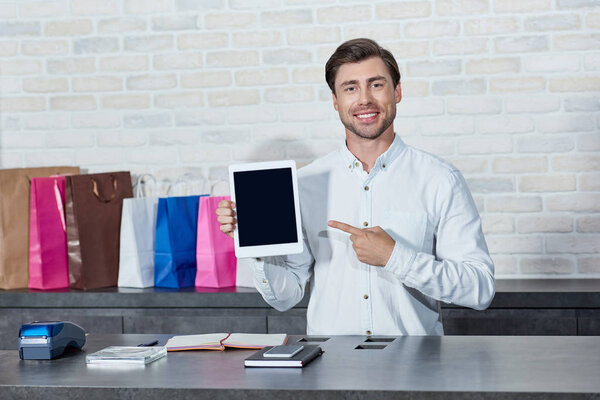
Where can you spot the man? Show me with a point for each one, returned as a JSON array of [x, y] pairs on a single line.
[[389, 231]]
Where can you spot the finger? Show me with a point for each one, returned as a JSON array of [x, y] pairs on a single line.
[[225, 211], [344, 227], [226, 204], [228, 228], [222, 219]]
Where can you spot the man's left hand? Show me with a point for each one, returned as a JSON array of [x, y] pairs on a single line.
[[372, 246]]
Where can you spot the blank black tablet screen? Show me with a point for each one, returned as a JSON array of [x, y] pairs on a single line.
[[265, 207]]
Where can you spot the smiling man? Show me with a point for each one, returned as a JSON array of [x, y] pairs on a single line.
[[389, 231]]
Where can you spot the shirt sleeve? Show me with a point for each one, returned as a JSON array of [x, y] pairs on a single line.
[[281, 280], [461, 272]]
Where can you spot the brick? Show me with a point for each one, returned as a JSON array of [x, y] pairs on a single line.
[[493, 65], [74, 103], [184, 136], [333, 15], [222, 136], [589, 181], [490, 185], [95, 7], [588, 142], [461, 7], [126, 101], [95, 45], [545, 144], [177, 61], [68, 66], [228, 20], [261, 77], [519, 164], [588, 265], [304, 75], [515, 244], [121, 139], [44, 48], [411, 107], [146, 120], [504, 265], [233, 98], [287, 56], [23, 140], [497, 224], [69, 139], [22, 104], [68, 28], [204, 153], [146, 7], [124, 63], [513, 204], [547, 183], [592, 62], [304, 112], [313, 35], [310, 150], [592, 20], [426, 29], [505, 124], [552, 23], [517, 6], [573, 244], [474, 106], [577, 104], [565, 123], [8, 10], [276, 132], [575, 84], [432, 68], [253, 4], [150, 155], [202, 41], [148, 44], [257, 39], [97, 84], [440, 146], [447, 126], [294, 94], [45, 85], [96, 120], [492, 26], [12, 160], [206, 79], [232, 59], [532, 104], [577, 202], [106, 157], [252, 115], [576, 163], [175, 23], [576, 3], [49, 157], [552, 63], [259, 152], [545, 224], [577, 42], [9, 85], [286, 18], [123, 24], [459, 87], [199, 5], [20, 67], [405, 9], [8, 49], [511, 85], [547, 265], [151, 82], [415, 88], [460, 46], [521, 44], [179, 100], [20, 29], [470, 165], [38, 9], [325, 129], [588, 224], [381, 31], [410, 49]]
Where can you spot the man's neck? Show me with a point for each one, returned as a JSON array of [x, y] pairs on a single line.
[[368, 150]]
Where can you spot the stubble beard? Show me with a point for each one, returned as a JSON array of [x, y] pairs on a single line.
[[386, 123]]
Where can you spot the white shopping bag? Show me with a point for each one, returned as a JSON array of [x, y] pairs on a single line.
[[136, 251], [244, 276]]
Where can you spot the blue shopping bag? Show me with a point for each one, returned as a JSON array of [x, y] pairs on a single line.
[[175, 246]]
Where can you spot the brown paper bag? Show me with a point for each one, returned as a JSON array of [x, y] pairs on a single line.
[[14, 222], [93, 213]]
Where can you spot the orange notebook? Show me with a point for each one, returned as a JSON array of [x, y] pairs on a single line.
[[219, 341]]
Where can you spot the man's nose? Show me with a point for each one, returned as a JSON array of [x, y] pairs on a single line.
[[365, 96]]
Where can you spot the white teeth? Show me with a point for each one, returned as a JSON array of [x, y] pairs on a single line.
[[362, 116]]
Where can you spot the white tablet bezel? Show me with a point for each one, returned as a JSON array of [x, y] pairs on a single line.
[[270, 249]]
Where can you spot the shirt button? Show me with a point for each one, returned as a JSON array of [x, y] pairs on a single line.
[[383, 165], [369, 333], [259, 259], [367, 188], [264, 281], [365, 223], [350, 166], [366, 296], [356, 164]]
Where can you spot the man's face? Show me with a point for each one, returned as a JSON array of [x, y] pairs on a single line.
[[366, 97]]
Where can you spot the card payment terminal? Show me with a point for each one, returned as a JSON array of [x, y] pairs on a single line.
[[45, 340]]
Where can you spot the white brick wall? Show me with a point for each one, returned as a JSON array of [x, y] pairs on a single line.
[[507, 90]]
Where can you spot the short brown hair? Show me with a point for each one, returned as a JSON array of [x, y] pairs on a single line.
[[357, 50]]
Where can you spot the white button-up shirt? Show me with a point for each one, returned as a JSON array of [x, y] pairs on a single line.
[[440, 254]]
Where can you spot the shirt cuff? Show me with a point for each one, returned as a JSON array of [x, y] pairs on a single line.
[[400, 261], [261, 280]]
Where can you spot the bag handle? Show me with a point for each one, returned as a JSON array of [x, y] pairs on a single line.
[[139, 192], [61, 206], [97, 194]]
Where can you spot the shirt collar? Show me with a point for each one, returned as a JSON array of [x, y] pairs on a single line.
[[383, 161]]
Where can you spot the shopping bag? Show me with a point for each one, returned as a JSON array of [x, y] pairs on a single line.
[[14, 222], [93, 212], [175, 246], [215, 256], [244, 277], [48, 265], [138, 229]]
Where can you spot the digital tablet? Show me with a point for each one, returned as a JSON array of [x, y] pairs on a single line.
[[267, 207]]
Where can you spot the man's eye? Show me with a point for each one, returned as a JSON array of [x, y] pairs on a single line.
[[377, 85], [349, 89]]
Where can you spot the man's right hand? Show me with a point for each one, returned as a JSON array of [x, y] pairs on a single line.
[[226, 217]]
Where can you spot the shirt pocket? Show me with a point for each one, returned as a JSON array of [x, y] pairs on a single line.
[[407, 228]]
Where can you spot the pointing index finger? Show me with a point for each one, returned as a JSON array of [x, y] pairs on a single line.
[[344, 227]]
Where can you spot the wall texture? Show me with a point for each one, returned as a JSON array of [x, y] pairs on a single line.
[[507, 90]]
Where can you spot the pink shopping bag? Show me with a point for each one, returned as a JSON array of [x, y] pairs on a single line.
[[48, 265], [215, 256]]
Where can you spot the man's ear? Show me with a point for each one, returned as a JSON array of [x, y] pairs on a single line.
[[398, 93], [335, 103]]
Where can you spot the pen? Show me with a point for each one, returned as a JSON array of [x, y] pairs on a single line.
[[149, 344]]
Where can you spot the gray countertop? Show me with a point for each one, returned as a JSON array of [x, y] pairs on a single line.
[[494, 367], [510, 293]]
